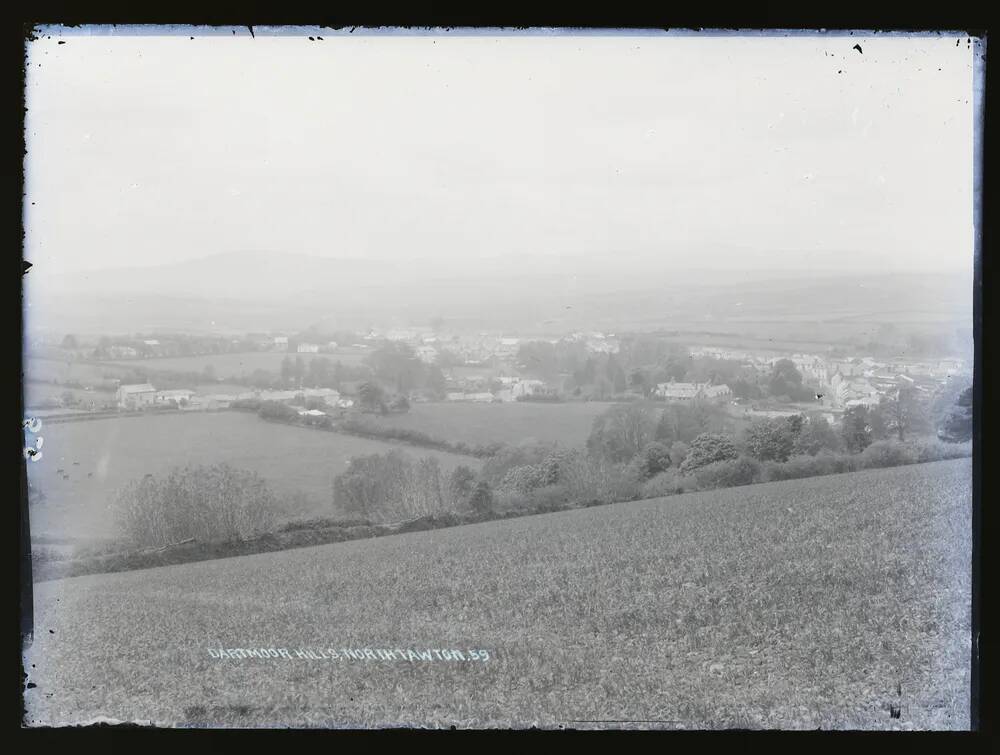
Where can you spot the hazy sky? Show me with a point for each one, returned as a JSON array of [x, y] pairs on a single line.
[[712, 151]]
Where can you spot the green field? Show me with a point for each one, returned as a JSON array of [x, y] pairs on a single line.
[[814, 603], [233, 365], [101, 455], [66, 370], [567, 423]]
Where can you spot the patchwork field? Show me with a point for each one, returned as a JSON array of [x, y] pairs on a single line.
[[568, 423], [820, 603], [233, 365], [99, 456]]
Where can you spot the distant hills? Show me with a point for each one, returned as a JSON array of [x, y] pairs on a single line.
[[241, 291]]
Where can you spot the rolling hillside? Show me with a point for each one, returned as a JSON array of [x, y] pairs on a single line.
[[830, 602]]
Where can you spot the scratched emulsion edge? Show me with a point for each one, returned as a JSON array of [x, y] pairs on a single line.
[[978, 125], [26, 601]]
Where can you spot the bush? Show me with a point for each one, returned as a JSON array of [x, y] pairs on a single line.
[[213, 504], [549, 498], [708, 448], [769, 439], [511, 457], [589, 479], [275, 410], [653, 459], [728, 474], [887, 453], [524, 479], [800, 466], [932, 449], [670, 482], [246, 404], [481, 501], [386, 487]]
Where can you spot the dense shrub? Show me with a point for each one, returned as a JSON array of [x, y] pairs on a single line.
[[212, 504], [275, 410], [588, 479], [932, 449], [883, 453], [800, 466], [461, 483], [816, 435], [653, 459], [511, 457], [727, 474], [670, 482], [769, 439], [887, 453], [523, 479], [622, 431], [371, 428], [389, 487], [708, 448], [482, 501], [678, 452], [550, 498]]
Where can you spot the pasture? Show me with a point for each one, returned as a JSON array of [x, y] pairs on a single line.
[[566, 423], [829, 602], [233, 365], [99, 456]]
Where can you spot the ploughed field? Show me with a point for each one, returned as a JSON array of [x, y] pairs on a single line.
[[84, 463], [568, 424], [825, 602]]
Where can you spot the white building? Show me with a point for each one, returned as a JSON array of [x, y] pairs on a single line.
[[178, 395], [677, 391], [135, 396], [307, 348]]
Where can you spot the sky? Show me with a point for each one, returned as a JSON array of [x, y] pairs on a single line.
[[714, 153]]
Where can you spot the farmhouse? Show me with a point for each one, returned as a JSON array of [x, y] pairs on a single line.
[[678, 391], [179, 395], [213, 401], [135, 396], [526, 388]]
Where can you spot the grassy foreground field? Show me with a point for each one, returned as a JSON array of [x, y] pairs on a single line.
[[821, 602], [96, 458], [566, 423]]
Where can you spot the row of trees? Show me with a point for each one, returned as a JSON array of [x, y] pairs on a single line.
[[644, 362], [390, 486], [210, 503]]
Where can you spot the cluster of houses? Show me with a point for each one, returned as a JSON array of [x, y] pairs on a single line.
[[144, 395], [483, 347], [692, 391], [850, 382], [511, 389]]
